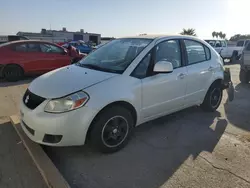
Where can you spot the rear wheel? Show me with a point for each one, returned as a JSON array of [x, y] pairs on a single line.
[[244, 76], [111, 129], [12, 73], [213, 98]]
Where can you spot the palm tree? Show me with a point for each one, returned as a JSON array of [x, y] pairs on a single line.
[[189, 31], [213, 33], [223, 36], [216, 34], [220, 34]]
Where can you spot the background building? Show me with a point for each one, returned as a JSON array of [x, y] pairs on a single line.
[[62, 36]]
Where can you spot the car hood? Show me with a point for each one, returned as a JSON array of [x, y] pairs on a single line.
[[67, 80]]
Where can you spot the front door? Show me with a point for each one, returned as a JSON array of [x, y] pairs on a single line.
[[55, 56], [164, 93]]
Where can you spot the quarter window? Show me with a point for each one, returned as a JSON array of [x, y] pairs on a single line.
[[208, 53], [195, 52], [141, 70], [169, 51]]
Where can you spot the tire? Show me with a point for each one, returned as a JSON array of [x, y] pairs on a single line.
[[113, 123], [213, 98], [12, 73], [244, 76]]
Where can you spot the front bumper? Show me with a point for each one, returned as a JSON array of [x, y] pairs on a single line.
[[228, 84], [68, 129]]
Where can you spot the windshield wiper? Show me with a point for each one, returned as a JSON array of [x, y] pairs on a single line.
[[91, 66], [96, 67]]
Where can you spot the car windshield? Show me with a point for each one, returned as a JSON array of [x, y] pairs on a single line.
[[115, 56]]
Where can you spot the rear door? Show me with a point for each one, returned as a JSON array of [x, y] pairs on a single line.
[[55, 55], [246, 55], [200, 69]]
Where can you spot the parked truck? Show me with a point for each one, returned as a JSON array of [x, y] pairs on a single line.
[[228, 52]]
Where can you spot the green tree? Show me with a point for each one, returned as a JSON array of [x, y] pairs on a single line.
[[189, 31]]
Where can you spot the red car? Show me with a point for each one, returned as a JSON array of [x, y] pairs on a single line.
[[19, 58]]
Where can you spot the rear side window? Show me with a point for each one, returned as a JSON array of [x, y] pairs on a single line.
[[21, 48], [48, 48], [195, 52], [33, 47]]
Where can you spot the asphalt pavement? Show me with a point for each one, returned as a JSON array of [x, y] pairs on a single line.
[[190, 148]]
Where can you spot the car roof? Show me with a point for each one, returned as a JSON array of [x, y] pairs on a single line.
[[160, 36], [21, 41]]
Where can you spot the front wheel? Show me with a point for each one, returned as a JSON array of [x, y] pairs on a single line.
[[111, 129], [213, 98]]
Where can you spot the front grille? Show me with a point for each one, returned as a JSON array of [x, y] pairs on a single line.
[[31, 100]]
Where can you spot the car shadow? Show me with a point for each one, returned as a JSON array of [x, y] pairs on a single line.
[[25, 80], [237, 112], [156, 151]]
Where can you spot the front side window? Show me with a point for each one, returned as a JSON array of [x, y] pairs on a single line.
[[115, 56], [211, 42], [169, 51], [195, 52], [48, 48], [218, 44], [21, 48]]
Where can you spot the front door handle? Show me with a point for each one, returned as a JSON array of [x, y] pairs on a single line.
[[181, 75], [210, 68]]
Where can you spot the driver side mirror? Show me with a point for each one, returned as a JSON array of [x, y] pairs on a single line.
[[163, 67]]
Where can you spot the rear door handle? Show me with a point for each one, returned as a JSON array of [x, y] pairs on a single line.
[[181, 75]]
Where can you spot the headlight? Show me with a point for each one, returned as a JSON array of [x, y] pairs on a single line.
[[71, 102]]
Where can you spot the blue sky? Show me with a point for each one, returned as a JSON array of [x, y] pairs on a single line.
[[128, 17]]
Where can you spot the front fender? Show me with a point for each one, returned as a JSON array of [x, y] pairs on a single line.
[[117, 89]]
